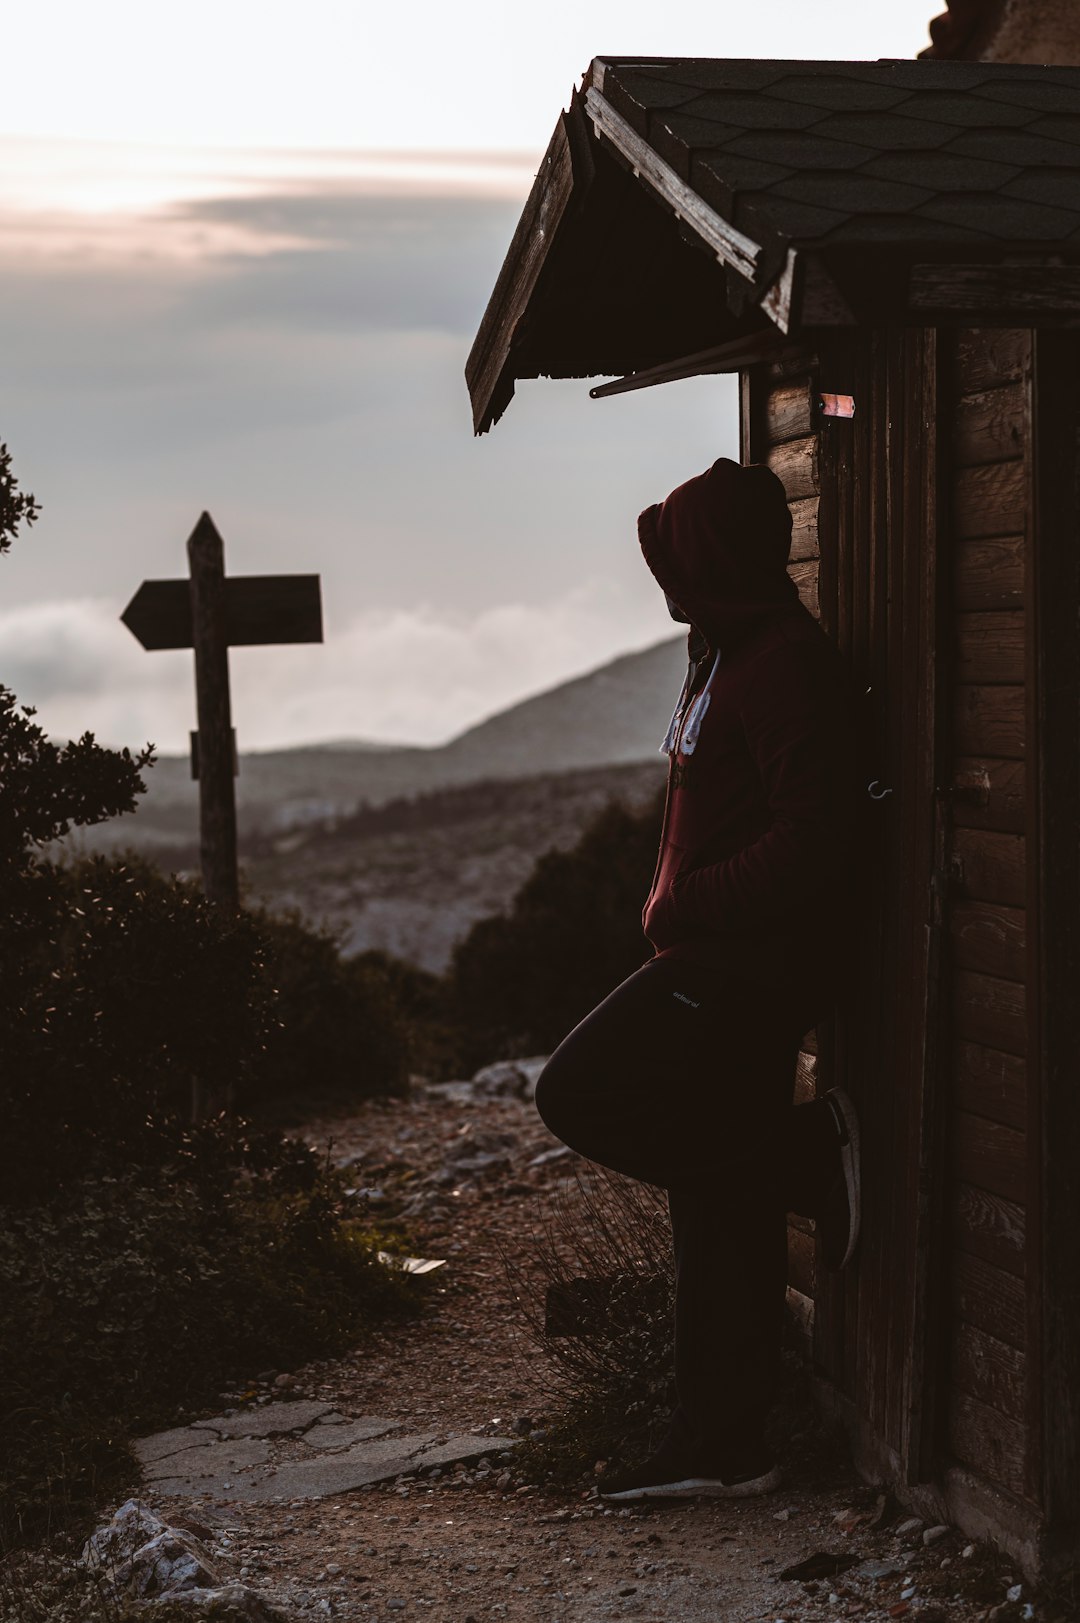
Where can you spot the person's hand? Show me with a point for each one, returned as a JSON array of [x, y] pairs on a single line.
[[664, 918]]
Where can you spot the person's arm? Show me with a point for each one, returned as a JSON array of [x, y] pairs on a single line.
[[798, 730]]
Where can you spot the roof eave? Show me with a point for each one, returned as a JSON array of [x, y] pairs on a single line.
[[563, 179], [488, 370]]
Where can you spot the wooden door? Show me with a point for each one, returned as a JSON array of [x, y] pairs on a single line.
[[877, 1328]]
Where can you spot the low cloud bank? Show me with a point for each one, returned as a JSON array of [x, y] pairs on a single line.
[[414, 676]]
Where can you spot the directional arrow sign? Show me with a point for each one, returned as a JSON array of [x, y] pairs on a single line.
[[258, 609], [209, 613]]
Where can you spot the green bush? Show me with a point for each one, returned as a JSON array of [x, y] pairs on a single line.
[[340, 1029], [119, 989], [16, 507], [148, 1289], [424, 1006], [143, 1262], [520, 981], [123, 988]]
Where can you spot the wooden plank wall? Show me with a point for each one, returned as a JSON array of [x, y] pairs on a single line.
[[987, 389], [781, 433]]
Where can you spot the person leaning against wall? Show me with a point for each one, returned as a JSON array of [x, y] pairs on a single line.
[[683, 1077]]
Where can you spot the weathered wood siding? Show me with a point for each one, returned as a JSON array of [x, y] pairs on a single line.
[[915, 529], [779, 429], [918, 519], [984, 401], [920, 510]]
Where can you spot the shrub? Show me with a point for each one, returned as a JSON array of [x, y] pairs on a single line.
[[47, 787], [16, 507], [520, 981], [119, 989], [422, 999], [123, 987], [142, 1262], [149, 1289], [339, 1031]]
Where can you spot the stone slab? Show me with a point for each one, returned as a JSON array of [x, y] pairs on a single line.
[[210, 1459], [456, 1450], [331, 1438], [272, 1420], [163, 1443], [309, 1479], [378, 1450], [377, 1460]]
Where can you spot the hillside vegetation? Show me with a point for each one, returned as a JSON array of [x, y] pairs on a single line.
[[412, 876], [612, 716]]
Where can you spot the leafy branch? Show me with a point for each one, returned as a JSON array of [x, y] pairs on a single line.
[[16, 506]]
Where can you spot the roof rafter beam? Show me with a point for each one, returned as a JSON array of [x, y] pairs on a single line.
[[730, 246], [730, 357]]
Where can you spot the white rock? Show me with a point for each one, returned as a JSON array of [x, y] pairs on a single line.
[[876, 1569], [134, 1524], [514, 1078], [455, 1093], [912, 1525], [1015, 1592], [170, 1562], [933, 1534], [546, 1157], [226, 1601]]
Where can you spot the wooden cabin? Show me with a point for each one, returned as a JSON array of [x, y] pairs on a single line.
[[906, 235]]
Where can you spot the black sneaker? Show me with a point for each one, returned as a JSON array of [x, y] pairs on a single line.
[[839, 1217], [665, 1476]]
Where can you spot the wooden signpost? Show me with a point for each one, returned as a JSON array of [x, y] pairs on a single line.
[[208, 613]]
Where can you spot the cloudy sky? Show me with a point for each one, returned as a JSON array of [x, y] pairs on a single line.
[[243, 253]]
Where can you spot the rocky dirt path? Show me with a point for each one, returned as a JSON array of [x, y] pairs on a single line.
[[434, 1519]]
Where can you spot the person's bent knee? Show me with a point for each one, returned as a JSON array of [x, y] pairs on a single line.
[[558, 1099], [550, 1096]]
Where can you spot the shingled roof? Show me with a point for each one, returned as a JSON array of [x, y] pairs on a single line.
[[816, 189], [822, 152]]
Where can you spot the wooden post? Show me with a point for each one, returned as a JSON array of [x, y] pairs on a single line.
[[217, 798], [209, 612], [206, 613], [1053, 1270]]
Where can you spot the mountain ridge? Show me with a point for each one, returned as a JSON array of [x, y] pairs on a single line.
[[613, 715]]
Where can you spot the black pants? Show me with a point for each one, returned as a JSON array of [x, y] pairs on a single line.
[[683, 1078]]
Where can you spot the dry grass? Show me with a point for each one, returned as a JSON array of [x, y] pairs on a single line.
[[597, 1295]]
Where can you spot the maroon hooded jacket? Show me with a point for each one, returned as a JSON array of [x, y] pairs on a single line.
[[755, 854]]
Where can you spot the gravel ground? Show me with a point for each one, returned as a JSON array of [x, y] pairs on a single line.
[[468, 1545]]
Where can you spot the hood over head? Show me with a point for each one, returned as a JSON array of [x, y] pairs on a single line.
[[718, 547]]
